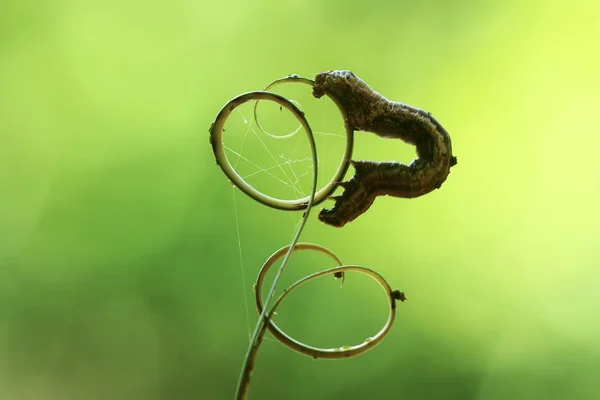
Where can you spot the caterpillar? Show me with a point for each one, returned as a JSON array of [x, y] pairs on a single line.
[[369, 111]]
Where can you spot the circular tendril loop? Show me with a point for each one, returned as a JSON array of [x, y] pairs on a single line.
[[291, 78], [315, 352], [216, 138]]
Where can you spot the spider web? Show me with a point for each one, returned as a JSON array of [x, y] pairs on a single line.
[[274, 168], [287, 166]]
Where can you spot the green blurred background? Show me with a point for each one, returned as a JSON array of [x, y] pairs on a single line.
[[120, 272]]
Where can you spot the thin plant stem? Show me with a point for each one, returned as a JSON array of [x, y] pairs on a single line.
[[255, 342]]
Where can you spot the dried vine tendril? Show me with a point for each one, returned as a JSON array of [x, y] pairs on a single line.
[[265, 319]]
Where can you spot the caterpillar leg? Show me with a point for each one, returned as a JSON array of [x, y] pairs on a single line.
[[357, 197]]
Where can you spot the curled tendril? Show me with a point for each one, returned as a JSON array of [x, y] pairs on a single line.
[[269, 87], [332, 353], [265, 319], [216, 139]]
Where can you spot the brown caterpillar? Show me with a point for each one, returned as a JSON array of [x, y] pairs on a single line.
[[369, 111]]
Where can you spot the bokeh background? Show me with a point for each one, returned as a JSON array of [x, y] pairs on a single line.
[[120, 269]]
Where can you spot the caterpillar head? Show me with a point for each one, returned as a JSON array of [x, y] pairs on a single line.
[[351, 92], [337, 82]]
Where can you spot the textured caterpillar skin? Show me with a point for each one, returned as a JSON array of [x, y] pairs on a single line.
[[369, 111]]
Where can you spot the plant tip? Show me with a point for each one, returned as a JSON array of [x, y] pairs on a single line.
[[398, 295]]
